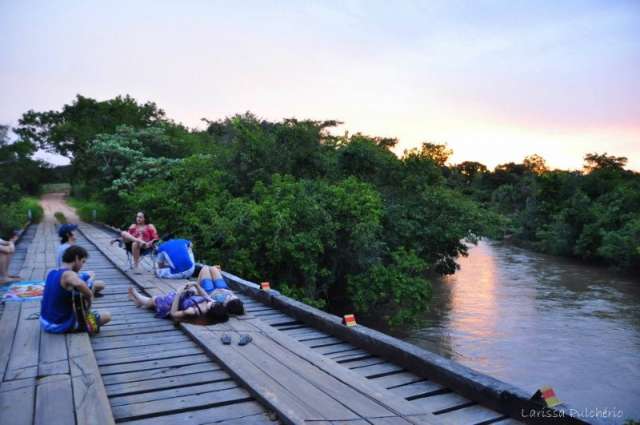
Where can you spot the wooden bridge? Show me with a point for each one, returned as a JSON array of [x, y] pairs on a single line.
[[303, 366]]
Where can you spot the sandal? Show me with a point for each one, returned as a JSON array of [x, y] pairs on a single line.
[[226, 339], [244, 340]]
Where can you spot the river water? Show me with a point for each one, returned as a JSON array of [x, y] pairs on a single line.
[[531, 320]]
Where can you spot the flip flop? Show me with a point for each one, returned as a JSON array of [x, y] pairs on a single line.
[[226, 339], [245, 339]]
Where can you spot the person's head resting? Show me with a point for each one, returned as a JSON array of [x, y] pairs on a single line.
[[235, 306], [142, 218], [66, 232], [217, 313], [75, 256]]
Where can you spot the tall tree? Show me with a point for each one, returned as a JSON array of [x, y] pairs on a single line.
[[595, 161], [69, 131]]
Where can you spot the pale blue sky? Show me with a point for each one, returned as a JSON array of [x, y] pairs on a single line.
[[496, 80]]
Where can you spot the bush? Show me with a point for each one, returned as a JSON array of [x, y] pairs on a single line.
[[15, 214], [84, 208]]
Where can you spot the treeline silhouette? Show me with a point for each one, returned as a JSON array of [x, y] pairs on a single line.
[[325, 218]]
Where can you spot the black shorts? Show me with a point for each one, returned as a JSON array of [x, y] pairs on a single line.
[[143, 251]]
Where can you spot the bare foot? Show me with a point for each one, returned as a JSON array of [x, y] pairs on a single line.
[[133, 296]]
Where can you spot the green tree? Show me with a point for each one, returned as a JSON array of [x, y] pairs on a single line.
[[69, 132]]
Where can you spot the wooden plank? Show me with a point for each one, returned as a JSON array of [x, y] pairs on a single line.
[[378, 370], [147, 356], [54, 400], [360, 385], [163, 372], [106, 355], [439, 402], [54, 358], [168, 382], [155, 329], [396, 379], [354, 364], [320, 373], [8, 326], [270, 391], [90, 398], [417, 389], [18, 403], [348, 355], [23, 362], [472, 415], [209, 399], [109, 343], [222, 415], [335, 348], [320, 342], [128, 328], [166, 394], [154, 364]]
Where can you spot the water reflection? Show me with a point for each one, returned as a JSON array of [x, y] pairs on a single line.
[[533, 320]]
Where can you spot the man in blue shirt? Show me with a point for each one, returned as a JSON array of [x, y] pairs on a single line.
[[56, 309], [175, 259]]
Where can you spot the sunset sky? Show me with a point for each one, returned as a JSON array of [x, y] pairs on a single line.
[[496, 80]]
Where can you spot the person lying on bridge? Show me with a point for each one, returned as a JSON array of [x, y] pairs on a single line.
[[174, 259], [7, 249], [139, 239], [211, 281], [68, 239], [190, 304], [56, 309]]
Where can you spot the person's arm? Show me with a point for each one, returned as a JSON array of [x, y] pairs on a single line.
[[176, 314], [153, 232], [71, 279], [200, 291]]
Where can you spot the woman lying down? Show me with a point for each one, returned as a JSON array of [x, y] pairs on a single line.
[[192, 303]]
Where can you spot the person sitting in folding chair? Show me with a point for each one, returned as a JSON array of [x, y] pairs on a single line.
[[139, 239], [174, 259]]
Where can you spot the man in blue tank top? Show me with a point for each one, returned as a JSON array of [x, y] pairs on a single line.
[[67, 239], [56, 309]]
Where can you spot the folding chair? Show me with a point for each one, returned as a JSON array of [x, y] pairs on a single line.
[[147, 256]]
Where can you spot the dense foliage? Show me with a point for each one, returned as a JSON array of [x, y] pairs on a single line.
[[329, 218], [593, 215]]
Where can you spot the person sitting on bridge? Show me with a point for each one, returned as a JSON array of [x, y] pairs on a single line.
[[68, 239], [139, 239], [174, 259], [190, 304], [210, 280], [56, 310], [7, 249]]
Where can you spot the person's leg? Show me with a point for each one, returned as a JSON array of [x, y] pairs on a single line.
[[135, 251], [4, 265], [6, 253], [105, 317], [140, 300], [205, 279], [218, 280], [98, 285], [128, 237]]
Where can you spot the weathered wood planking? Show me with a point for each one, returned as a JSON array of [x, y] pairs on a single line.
[[17, 400], [8, 326], [54, 400], [90, 398], [23, 361]]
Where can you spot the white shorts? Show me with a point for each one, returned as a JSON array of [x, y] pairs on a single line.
[[165, 273]]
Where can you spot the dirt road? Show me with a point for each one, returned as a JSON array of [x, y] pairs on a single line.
[[54, 202]]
